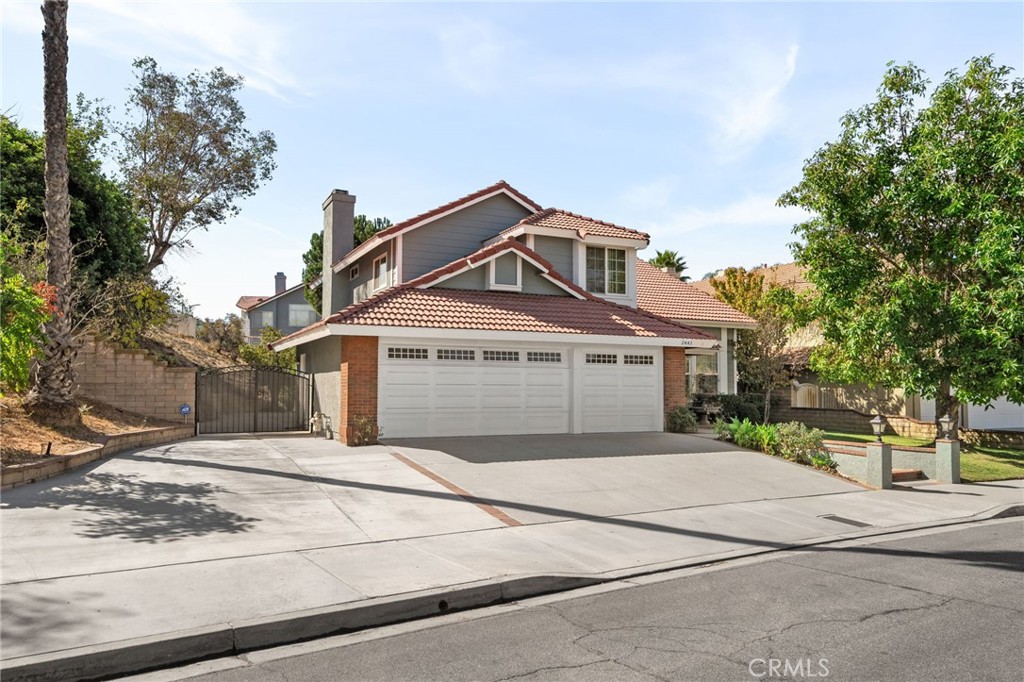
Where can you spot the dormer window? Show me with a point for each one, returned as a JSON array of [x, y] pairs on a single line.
[[606, 270], [506, 273]]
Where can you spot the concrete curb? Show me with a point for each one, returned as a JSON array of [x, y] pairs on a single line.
[[227, 639]]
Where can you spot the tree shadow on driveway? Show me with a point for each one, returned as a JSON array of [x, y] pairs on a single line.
[[1012, 560], [133, 508]]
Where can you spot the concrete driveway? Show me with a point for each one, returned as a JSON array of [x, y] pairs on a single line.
[[218, 532], [539, 479]]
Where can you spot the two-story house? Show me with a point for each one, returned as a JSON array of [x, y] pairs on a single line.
[[493, 315], [287, 311]]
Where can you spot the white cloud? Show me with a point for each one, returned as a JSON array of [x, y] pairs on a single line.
[[196, 34], [748, 108], [753, 210]]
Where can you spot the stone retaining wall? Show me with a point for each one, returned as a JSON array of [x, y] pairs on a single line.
[[45, 467], [134, 380]]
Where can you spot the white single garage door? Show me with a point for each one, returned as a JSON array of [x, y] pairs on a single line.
[[427, 389], [621, 390]]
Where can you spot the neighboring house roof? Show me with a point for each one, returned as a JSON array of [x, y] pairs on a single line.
[[247, 303], [788, 275], [583, 226], [500, 187], [416, 304], [660, 293]]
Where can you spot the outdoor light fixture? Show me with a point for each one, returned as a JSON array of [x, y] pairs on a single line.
[[947, 426], [878, 426]]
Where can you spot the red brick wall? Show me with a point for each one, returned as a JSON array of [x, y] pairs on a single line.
[[358, 384], [674, 378]]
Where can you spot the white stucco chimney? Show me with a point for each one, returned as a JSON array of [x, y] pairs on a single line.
[[339, 239]]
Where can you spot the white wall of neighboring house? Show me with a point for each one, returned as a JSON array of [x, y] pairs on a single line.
[[1001, 415]]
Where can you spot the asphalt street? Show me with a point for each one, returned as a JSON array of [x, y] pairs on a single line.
[[945, 605]]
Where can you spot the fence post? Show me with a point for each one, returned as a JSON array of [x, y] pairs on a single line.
[[879, 468], [947, 465]]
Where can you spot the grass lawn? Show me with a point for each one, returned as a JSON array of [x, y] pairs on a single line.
[[977, 463], [891, 440]]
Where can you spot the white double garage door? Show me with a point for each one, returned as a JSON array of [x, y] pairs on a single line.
[[432, 389]]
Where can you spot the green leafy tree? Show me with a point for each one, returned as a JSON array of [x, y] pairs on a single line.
[[761, 352], [26, 304], [106, 233], [224, 334], [313, 259], [261, 355], [312, 268], [916, 243], [186, 155], [671, 260]]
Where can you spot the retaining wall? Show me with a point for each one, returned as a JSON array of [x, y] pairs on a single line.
[[134, 380], [851, 459], [45, 467]]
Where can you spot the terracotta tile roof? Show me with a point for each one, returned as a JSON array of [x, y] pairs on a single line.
[[660, 293], [416, 304], [383, 235], [509, 311], [250, 302], [247, 302], [788, 275], [582, 225]]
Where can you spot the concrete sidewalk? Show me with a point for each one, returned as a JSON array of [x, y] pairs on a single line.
[[308, 538]]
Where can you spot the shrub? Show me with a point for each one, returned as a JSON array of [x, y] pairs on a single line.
[[722, 430], [366, 431], [746, 406], [681, 420], [824, 461], [744, 433], [24, 309], [799, 443]]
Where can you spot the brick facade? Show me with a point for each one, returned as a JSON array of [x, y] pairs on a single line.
[[134, 380], [358, 386], [674, 378]]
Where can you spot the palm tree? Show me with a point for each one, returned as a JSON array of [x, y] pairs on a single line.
[[53, 386], [671, 260]]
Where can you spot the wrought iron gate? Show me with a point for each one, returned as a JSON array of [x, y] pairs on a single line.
[[248, 399]]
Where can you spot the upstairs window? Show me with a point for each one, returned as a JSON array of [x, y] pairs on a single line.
[[606, 270], [380, 272], [301, 315]]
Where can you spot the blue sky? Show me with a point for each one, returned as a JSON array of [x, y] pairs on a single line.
[[685, 120]]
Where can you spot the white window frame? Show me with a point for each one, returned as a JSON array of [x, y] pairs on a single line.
[[379, 282], [492, 271], [625, 270]]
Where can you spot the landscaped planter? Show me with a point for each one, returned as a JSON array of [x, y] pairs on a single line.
[[45, 467]]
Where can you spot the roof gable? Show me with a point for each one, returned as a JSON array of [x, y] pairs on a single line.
[[558, 220], [499, 188]]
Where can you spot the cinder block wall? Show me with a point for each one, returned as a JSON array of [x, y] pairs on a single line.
[[133, 380], [847, 421]]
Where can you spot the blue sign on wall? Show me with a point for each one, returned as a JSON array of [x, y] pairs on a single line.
[[185, 410]]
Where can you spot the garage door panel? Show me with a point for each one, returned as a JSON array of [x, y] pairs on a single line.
[[620, 397], [472, 397]]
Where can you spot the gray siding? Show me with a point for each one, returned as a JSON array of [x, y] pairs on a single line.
[[360, 286], [459, 234], [533, 283], [323, 360], [505, 269], [279, 307], [557, 251], [475, 279]]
